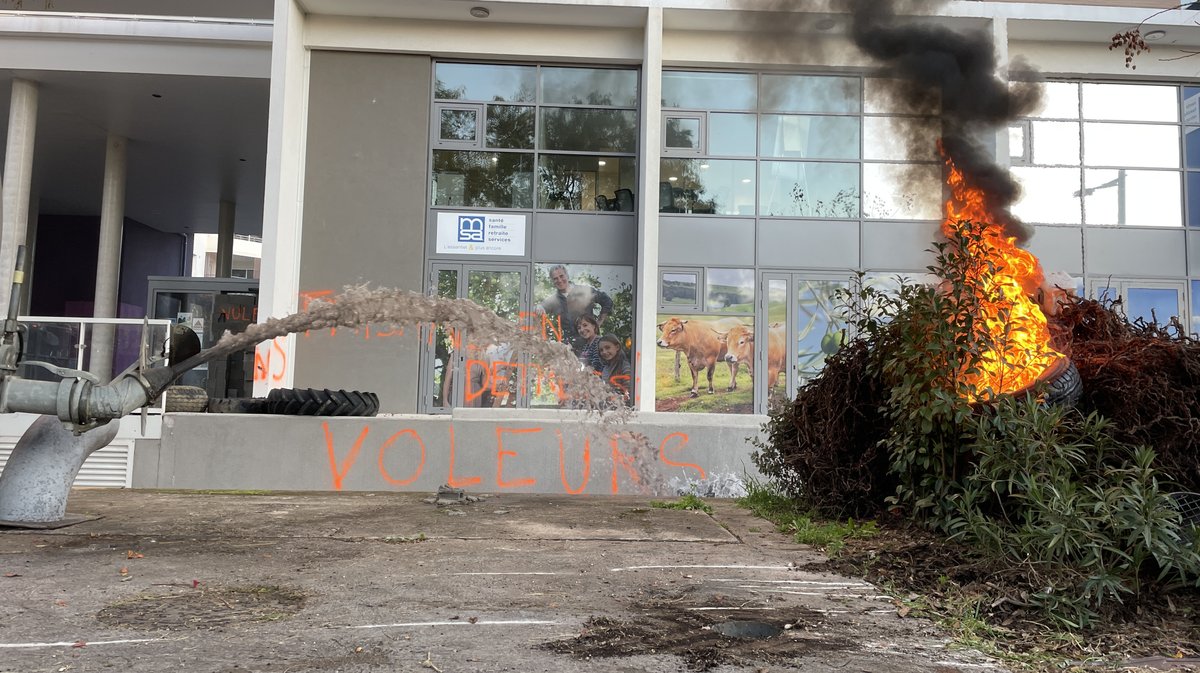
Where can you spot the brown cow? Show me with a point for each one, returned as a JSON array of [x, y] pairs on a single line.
[[740, 340], [699, 344]]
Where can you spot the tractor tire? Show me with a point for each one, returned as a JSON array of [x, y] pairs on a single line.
[[317, 402], [1063, 385], [237, 405], [185, 398]]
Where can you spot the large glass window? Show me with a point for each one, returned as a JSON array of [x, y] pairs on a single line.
[[494, 123], [1103, 155], [804, 148]]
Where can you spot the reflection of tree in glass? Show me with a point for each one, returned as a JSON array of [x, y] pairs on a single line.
[[487, 179], [498, 290], [689, 193], [877, 206], [589, 129], [678, 136], [510, 126], [843, 204], [458, 125], [563, 189], [442, 91]]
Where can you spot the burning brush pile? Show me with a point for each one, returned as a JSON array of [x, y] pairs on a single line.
[[947, 405]]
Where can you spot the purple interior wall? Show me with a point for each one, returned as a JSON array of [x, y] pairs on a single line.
[[64, 267]]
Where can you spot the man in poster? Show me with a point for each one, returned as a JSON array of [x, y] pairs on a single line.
[[569, 302]]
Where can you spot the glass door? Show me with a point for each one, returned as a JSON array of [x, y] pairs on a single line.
[[465, 369], [800, 325]]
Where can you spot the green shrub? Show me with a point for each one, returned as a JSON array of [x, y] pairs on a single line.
[[1053, 489], [1086, 515]]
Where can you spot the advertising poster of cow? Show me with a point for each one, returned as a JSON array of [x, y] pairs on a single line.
[[590, 307], [694, 349]]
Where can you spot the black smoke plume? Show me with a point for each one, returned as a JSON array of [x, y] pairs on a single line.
[[953, 74]]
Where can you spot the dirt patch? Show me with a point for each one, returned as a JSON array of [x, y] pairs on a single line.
[[203, 607], [937, 578], [668, 627]]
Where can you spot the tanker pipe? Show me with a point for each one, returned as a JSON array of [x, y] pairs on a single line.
[[81, 402]]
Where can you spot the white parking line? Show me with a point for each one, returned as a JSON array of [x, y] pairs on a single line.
[[85, 643], [461, 622], [728, 567], [808, 582], [512, 573]]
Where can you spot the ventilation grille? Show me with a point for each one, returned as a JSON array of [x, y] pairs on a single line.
[[110, 467]]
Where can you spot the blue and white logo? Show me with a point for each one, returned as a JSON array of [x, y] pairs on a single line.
[[470, 229]]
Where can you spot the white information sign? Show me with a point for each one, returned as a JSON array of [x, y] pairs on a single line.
[[480, 234]]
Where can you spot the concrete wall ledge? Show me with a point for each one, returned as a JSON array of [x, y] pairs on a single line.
[[526, 451]]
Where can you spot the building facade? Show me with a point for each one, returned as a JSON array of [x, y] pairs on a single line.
[[709, 168]]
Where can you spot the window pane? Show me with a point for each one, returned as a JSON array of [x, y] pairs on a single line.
[[805, 137], [902, 191], [1131, 102], [716, 186], [1138, 145], [1191, 144], [802, 189], [589, 86], [729, 290], [1195, 307], [1132, 198], [1193, 192], [1048, 195], [883, 95], [1017, 150], [900, 138], [1055, 143], [1191, 105], [709, 90], [804, 93], [458, 125], [730, 134], [579, 182], [510, 126], [1060, 100], [679, 289], [483, 179], [1151, 303], [589, 130], [472, 81], [682, 133]]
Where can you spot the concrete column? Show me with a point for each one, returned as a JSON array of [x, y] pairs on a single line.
[[225, 240], [279, 285], [647, 254], [1000, 42], [31, 250], [108, 259], [18, 178]]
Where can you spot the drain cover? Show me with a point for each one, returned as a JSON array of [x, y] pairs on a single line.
[[747, 630]]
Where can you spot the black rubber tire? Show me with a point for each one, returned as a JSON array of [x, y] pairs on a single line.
[[1064, 387], [237, 405], [185, 398], [317, 402]]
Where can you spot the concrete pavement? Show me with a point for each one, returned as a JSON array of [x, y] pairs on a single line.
[[387, 582]]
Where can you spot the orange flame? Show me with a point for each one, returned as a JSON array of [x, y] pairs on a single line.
[[1010, 275]]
